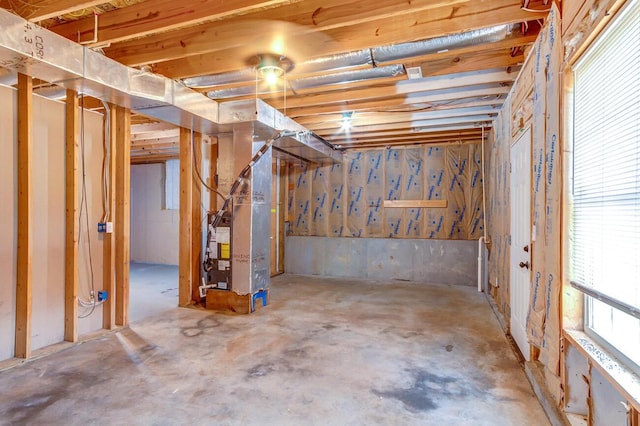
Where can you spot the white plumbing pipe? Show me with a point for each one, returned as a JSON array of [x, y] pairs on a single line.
[[480, 244]]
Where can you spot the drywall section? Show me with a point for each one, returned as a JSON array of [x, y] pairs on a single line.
[[49, 221], [8, 221], [535, 102], [154, 229], [90, 268], [346, 199], [420, 260]]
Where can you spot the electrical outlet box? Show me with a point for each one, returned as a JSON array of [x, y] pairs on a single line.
[[102, 227], [109, 227], [102, 295]]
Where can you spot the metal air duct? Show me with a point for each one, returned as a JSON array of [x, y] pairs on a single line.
[[442, 44], [317, 81]]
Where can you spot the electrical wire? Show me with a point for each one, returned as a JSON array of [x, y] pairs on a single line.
[[84, 208], [197, 171], [106, 164]]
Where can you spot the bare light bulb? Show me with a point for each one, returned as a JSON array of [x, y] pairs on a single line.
[[271, 77]]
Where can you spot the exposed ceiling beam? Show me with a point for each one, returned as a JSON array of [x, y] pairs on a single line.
[[242, 34], [431, 100], [402, 88], [151, 127], [150, 17], [159, 134], [39, 10], [390, 144], [149, 159], [225, 60], [396, 133], [371, 118]]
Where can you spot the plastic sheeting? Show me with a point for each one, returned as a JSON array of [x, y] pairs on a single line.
[[346, 199]]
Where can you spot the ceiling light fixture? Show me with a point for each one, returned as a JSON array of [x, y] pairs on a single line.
[[346, 123], [271, 67]]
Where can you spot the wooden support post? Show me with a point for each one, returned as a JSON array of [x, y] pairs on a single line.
[[282, 203], [25, 217], [184, 261], [71, 219], [213, 171], [196, 221], [123, 213], [108, 247]]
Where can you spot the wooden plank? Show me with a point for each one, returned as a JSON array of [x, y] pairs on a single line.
[[343, 33], [72, 230], [196, 220], [590, 20], [160, 134], [288, 22], [217, 62], [156, 16], [25, 218], [379, 118], [122, 218], [458, 81], [399, 140], [39, 10], [229, 301], [213, 172], [402, 100], [151, 159], [109, 244], [282, 204], [185, 247], [395, 204], [273, 228]]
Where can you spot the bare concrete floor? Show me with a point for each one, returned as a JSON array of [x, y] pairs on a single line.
[[153, 290], [325, 352]]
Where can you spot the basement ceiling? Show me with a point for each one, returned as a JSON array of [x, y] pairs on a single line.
[[346, 60]]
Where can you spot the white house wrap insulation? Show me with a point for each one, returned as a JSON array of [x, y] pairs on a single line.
[[544, 312], [346, 199]]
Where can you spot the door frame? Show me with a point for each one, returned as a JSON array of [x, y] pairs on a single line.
[[526, 348]]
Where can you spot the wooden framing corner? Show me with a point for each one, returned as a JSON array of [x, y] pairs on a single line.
[[185, 247], [24, 285], [71, 216], [123, 213]]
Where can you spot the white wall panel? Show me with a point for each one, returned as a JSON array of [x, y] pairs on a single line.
[[154, 230], [8, 222]]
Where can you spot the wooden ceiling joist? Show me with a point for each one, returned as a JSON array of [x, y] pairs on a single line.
[[151, 17], [39, 10], [238, 32]]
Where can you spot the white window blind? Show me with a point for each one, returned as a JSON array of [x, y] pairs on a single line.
[[605, 250]]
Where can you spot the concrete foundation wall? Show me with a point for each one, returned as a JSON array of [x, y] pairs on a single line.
[[436, 261], [154, 230]]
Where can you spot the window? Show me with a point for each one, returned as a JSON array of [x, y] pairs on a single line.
[[605, 250], [172, 185]]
